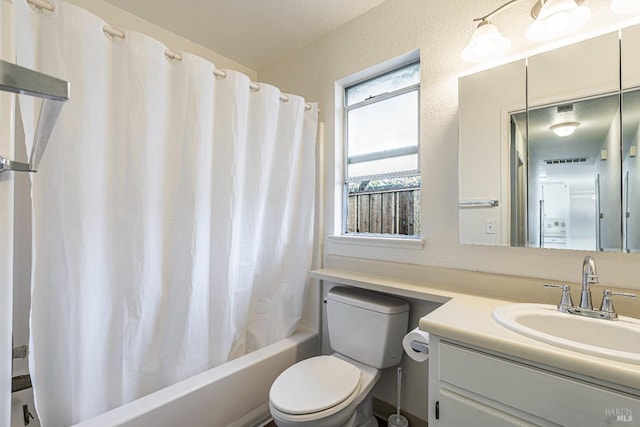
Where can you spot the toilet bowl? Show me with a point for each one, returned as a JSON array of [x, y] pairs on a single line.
[[324, 391]]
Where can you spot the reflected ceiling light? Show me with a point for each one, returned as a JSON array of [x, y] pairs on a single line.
[[553, 18], [557, 18], [625, 6], [564, 129], [486, 42]]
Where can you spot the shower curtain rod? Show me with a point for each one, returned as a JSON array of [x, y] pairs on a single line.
[[171, 55]]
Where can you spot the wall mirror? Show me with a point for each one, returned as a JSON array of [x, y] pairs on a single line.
[[630, 82], [548, 149]]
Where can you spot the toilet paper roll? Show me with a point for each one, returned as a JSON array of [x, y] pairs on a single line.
[[416, 345]]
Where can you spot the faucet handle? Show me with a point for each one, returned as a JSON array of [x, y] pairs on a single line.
[[565, 301], [607, 303]]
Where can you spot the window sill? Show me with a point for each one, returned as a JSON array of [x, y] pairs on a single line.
[[381, 242]]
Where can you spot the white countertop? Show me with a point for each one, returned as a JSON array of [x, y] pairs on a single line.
[[467, 319]]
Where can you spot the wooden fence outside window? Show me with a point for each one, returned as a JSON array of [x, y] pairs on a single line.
[[385, 212]]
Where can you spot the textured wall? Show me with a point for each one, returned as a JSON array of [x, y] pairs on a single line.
[[439, 29]]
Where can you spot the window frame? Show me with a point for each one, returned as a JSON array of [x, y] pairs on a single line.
[[345, 177]]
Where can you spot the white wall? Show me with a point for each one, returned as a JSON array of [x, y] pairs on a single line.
[[440, 29]]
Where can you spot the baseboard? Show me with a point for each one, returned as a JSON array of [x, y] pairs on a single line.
[[267, 422], [383, 410], [256, 418]]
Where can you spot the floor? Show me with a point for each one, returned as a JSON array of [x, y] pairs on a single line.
[[381, 423]]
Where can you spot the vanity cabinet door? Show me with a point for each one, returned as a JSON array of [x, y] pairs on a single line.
[[630, 73], [578, 71], [484, 120], [492, 391], [459, 411]]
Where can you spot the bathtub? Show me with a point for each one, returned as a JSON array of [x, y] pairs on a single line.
[[234, 394]]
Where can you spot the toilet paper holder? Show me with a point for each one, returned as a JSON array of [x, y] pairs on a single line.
[[419, 347]]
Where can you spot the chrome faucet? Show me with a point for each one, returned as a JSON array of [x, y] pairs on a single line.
[[589, 277]]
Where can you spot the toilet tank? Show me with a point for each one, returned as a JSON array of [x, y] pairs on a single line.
[[367, 326]]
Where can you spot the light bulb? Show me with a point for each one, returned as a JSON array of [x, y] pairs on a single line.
[[564, 129], [556, 23], [556, 18], [625, 6], [486, 42]]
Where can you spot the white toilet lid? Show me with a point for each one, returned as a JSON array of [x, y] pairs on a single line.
[[314, 385]]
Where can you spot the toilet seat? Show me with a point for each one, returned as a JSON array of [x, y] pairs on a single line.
[[315, 385]]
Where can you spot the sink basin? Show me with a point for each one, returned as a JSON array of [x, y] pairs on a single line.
[[611, 339]]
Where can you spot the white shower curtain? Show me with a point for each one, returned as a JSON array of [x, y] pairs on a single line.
[[172, 216]]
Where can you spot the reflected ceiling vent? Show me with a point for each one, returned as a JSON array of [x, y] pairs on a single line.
[[566, 161], [565, 108]]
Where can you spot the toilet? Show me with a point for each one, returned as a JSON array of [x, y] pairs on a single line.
[[365, 331]]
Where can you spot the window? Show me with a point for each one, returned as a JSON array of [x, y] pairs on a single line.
[[382, 167]]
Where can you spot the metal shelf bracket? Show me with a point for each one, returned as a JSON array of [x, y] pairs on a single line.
[[54, 93]]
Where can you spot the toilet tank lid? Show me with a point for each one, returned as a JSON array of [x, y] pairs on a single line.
[[367, 300]]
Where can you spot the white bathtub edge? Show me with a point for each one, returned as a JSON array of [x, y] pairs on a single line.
[[133, 413]]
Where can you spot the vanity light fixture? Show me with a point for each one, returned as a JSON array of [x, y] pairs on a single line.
[[552, 19], [625, 6], [564, 129]]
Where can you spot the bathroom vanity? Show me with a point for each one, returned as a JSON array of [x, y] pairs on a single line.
[[483, 374]]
